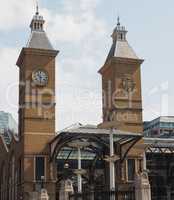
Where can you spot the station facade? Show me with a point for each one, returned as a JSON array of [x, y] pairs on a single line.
[[104, 158]]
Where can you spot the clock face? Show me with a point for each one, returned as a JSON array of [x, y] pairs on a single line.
[[40, 77]]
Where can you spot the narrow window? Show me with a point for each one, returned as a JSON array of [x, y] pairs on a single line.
[[130, 169], [39, 168]]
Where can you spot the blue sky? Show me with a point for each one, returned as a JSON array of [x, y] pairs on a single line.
[[81, 30]]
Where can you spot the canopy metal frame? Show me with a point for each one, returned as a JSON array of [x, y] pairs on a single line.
[[98, 143]]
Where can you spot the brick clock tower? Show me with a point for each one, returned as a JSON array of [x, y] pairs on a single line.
[[36, 111], [121, 84], [122, 100]]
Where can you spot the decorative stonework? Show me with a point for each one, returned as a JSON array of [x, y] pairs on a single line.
[[44, 195], [66, 188], [142, 186], [128, 83]]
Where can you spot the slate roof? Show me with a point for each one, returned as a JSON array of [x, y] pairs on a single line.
[[39, 40], [159, 141], [92, 129], [122, 49]]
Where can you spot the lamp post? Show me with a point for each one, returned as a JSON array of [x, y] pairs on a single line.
[[144, 161], [79, 175], [111, 163], [112, 158], [79, 172]]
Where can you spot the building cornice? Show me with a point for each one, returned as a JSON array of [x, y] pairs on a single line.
[[33, 51], [114, 60]]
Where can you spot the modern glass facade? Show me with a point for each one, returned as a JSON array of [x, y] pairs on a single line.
[[8, 126], [160, 127]]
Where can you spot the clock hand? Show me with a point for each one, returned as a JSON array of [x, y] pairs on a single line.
[[40, 77]]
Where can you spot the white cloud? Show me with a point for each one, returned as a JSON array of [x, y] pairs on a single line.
[[82, 38], [78, 84], [78, 94], [15, 13], [76, 19], [9, 82], [79, 5], [76, 22], [88, 4], [77, 105]]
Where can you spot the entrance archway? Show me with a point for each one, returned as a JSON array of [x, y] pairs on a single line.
[[93, 173]]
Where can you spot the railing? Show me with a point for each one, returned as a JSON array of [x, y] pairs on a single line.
[[104, 195]]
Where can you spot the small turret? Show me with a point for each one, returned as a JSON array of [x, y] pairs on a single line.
[[119, 32], [37, 22], [120, 47], [38, 38]]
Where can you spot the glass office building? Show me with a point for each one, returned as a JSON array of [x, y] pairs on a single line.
[[160, 127], [8, 126]]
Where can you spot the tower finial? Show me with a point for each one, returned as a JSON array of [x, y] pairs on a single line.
[[119, 32], [38, 20], [118, 21], [37, 7]]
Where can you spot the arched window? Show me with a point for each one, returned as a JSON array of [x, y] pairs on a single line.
[[37, 26]]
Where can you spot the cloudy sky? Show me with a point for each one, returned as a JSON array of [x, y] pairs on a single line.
[[81, 30]]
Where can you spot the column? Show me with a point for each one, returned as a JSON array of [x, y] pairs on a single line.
[[168, 192], [112, 166], [112, 158], [142, 187], [79, 174], [144, 161], [111, 163], [44, 195]]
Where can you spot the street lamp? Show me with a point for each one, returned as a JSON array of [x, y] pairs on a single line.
[[79, 172], [66, 166], [112, 158]]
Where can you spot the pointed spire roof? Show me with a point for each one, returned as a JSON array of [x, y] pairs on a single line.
[[120, 47], [38, 38]]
